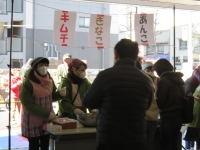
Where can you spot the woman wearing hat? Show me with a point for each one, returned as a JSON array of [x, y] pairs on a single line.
[[76, 85], [36, 94]]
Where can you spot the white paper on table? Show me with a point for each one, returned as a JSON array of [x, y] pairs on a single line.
[[53, 128]]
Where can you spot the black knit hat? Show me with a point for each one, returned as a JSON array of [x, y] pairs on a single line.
[[39, 60]]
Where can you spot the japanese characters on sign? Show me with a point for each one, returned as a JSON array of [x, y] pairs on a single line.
[[100, 31], [144, 30], [64, 28]]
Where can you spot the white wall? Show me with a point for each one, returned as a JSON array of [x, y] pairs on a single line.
[[163, 37], [45, 11]]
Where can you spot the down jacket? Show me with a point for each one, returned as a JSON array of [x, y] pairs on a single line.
[[122, 94], [170, 89]]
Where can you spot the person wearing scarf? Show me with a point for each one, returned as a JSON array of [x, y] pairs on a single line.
[[37, 93], [76, 85]]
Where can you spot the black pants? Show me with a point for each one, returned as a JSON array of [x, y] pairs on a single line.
[[140, 146], [169, 132], [39, 142]]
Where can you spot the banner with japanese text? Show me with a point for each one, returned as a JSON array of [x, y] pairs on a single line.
[[99, 32], [144, 29], [64, 28]]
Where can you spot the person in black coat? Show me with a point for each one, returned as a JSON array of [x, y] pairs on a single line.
[[122, 94], [169, 99]]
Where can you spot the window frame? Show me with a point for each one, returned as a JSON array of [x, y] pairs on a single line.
[[84, 24], [183, 46], [13, 7], [8, 50]]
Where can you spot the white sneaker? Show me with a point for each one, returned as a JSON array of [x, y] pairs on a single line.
[[192, 148]]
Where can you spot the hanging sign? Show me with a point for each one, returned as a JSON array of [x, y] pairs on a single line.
[[99, 31], [64, 28], [144, 29]]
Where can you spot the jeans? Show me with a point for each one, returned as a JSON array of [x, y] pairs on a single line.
[[169, 132], [189, 144], [150, 132], [39, 142]]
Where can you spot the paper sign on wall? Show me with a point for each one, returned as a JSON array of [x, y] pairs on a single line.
[[144, 29], [64, 28], [99, 32]]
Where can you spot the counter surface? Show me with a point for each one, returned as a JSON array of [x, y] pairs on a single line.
[[75, 131]]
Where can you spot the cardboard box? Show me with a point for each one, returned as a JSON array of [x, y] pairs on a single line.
[[66, 123]]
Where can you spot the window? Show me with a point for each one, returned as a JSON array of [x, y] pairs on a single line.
[[150, 49], [185, 58], [197, 48], [196, 60], [3, 7], [177, 59], [16, 63], [182, 45], [84, 22], [16, 44], [160, 48], [17, 7], [3, 47]]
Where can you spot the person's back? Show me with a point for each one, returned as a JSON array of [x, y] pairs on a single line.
[[122, 94], [169, 98]]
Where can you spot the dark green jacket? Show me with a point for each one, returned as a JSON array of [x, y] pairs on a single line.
[[27, 99], [169, 94], [65, 105]]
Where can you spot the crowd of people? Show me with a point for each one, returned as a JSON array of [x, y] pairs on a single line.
[[129, 98]]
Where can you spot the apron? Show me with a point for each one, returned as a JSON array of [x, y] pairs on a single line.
[[77, 101]]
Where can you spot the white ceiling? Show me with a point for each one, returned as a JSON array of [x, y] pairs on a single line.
[[179, 4]]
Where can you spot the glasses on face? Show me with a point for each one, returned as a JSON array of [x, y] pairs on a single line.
[[42, 64]]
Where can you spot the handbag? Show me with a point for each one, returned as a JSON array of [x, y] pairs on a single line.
[[187, 110]]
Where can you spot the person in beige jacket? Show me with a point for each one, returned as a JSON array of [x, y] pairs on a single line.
[[152, 112]]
